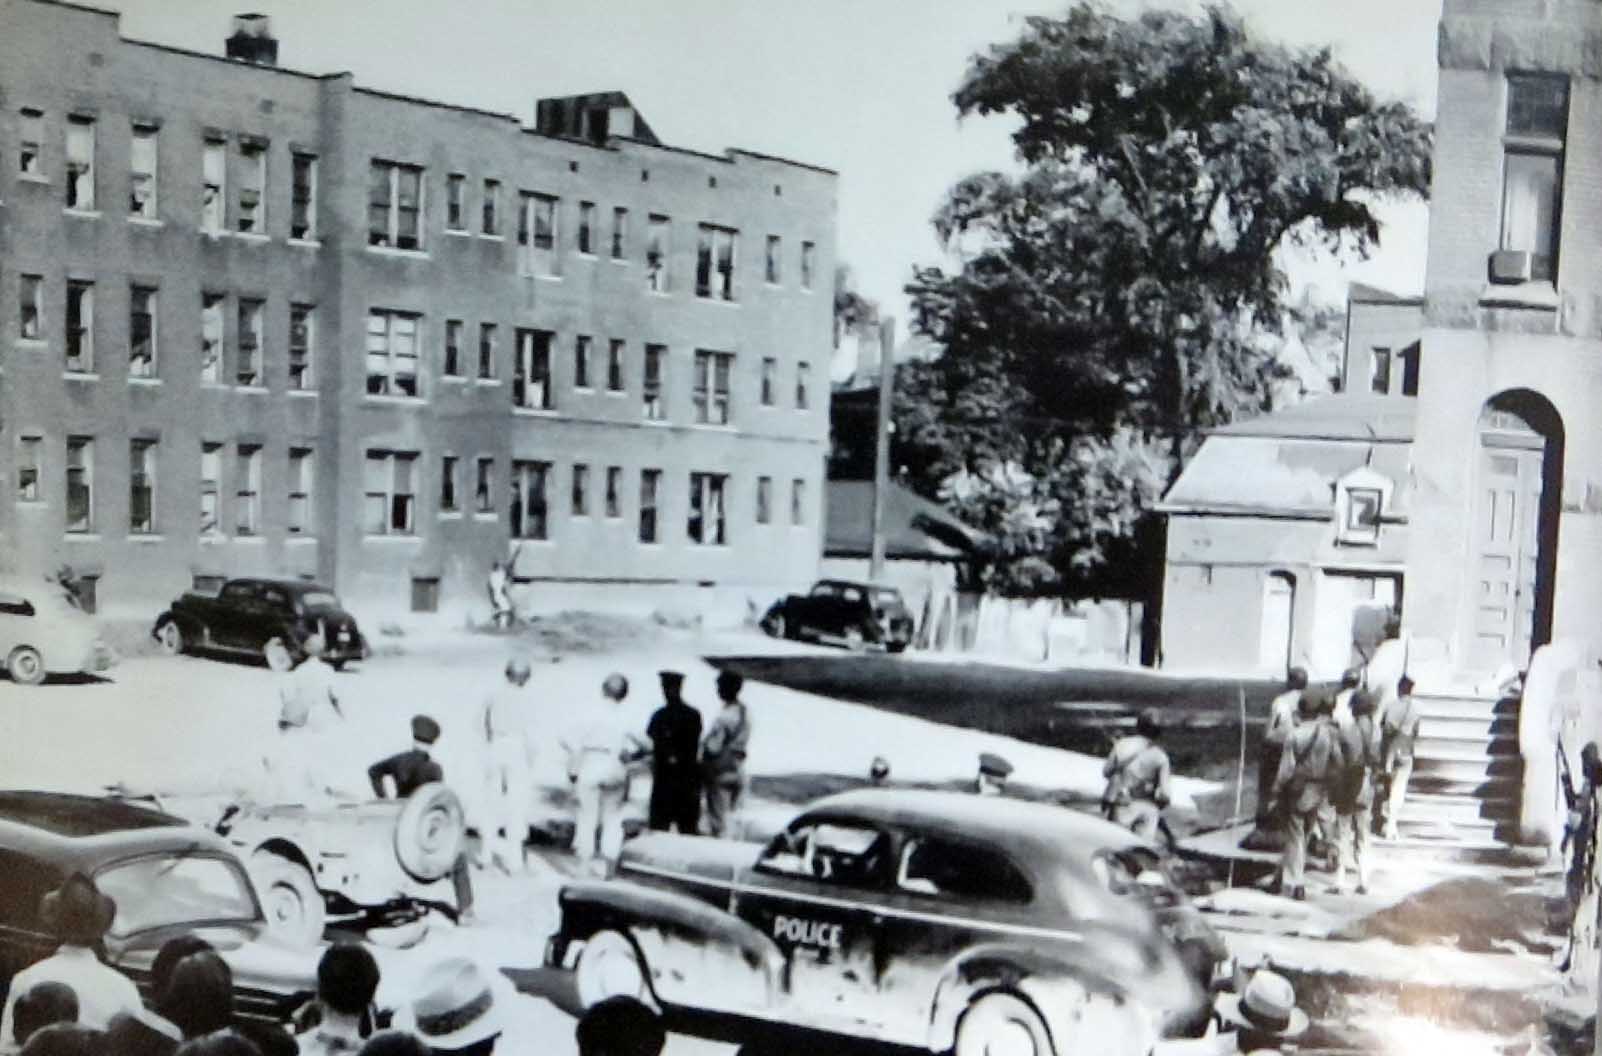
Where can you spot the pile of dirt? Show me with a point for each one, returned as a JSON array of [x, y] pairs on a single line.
[[584, 633], [1367, 1016], [1470, 913]]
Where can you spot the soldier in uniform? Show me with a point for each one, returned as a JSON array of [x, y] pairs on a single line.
[[401, 774], [992, 777], [1354, 792], [675, 735], [723, 755], [1308, 769], [1137, 772]]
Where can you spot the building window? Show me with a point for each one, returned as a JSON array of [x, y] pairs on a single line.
[[247, 489], [652, 404], [302, 481], [581, 490], [447, 484], [586, 228], [80, 162], [30, 290], [142, 487], [389, 495], [394, 205], [531, 374], [770, 380], [214, 183], [650, 484], [1410, 364], [614, 365], [247, 372], [211, 337], [303, 197], [483, 487], [620, 228], [528, 499], [486, 351], [581, 361], [80, 327], [711, 387], [142, 157], [392, 353], [808, 253], [210, 488], [614, 491], [425, 594], [772, 268], [706, 525], [656, 254], [803, 375], [302, 340], [798, 501], [80, 485], [30, 452], [536, 232], [764, 500], [1380, 382], [714, 263], [456, 202], [490, 221], [251, 218], [1532, 171], [142, 332], [451, 362], [30, 144]]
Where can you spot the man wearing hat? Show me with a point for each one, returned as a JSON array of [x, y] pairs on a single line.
[[399, 775], [992, 776], [78, 915], [723, 755], [1313, 761], [510, 766], [599, 749], [675, 735], [459, 1009], [879, 772], [1264, 1016], [1137, 773]]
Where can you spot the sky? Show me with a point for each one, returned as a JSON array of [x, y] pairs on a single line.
[[859, 86]]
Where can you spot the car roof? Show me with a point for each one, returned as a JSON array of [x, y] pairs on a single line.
[[864, 584], [294, 586], [85, 832], [1040, 834]]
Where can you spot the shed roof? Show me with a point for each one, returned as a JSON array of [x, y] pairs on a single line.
[[914, 527]]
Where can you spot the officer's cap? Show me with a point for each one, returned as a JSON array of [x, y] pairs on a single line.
[[672, 681], [993, 765], [424, 729]]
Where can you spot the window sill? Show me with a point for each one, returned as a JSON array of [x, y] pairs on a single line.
[[152, 222], [299, 537], [304, 243], [212, 538], [486, 517], [37, 178], [452, 379], [536, 412], [547, 541], [82, 214], [652, 544], [486, 381], [546, 278], [214, 233], [80, 375], [579, 254], [382, 399], [664, 294], [660, 423], [403, 254], [251, 390], [394, 537], [450, 515], [33, 504], [458, 232], [135, 379], [82, 537], [252, 237], [489, 237], [33, 344], [213, 385], [1539, 295], [252, 539], [617, 394], [588, 390], [622, 261], [715, 427], [146, 537], [724, 301], [302, 393]]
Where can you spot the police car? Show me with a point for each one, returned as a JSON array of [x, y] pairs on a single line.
[[936, 920]]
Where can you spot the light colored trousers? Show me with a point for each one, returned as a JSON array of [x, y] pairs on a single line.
[[599, 825], [1351, 838], [510, 789], [1398, 793]]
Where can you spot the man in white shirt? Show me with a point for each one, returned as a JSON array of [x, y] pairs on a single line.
[[78, 915], [510, 767], [308, 689], [599, 750]]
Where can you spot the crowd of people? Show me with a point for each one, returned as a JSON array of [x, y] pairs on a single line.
[[72, 1004]]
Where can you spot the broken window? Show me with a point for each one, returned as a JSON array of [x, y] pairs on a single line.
[[394, 205], [303, 197], [302, 479], [302, 336], [528, 506], [714, 263], [251, 215], [456, 202], [142, 332], [653, 406], [711, 387], [80, 327], [80, 485], [142, 158], [30, 453], [210, 487], [447, 484], [706, 524], [483, 487], [650, 484], [30, 290], [586, 228], [656, 255], [1532, 173], [80, 162], [142, 487], [214, 180], [30, 143], [211, 337], [247, 489], [531, 374], [392, 353], [620, 225], [247, 366], [389, 496]]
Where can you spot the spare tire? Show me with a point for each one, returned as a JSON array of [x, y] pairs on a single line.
[[429, 832]]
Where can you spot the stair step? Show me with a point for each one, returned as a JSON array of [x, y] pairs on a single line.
[[1432, 825], [1466, 707], [1462, 728], [1481, 784], [1457, 841], [1466, 749], [1473, 767], [1464, 810]]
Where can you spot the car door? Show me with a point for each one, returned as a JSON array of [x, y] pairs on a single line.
[[231, 612], [815, 894], [274, 611], [16, 621]]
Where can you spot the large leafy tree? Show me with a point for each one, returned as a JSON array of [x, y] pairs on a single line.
[[1123, 291]]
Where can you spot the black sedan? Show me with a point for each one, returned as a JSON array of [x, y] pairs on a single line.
[[856, 615]]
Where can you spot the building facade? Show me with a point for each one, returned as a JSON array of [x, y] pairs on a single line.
[[262, 322], [1507, 462]]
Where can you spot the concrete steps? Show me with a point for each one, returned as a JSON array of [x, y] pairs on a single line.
[[1466, 784]]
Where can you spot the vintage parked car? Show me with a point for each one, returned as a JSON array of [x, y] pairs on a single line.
[[939, 920], [43, 631], [269, 618], [168, 878], [366, 864], [855, 615]]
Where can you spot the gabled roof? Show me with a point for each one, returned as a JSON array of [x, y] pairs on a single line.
[[914, 526], [1348, 416], [1363, 293]]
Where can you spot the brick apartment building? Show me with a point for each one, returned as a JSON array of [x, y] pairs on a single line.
[[257, 321]]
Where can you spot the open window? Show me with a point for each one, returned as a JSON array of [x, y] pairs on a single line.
[[841, 853], [1362, 498], [959, 871]]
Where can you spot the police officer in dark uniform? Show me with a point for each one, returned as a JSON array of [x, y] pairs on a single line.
[[675, 733], [410, 770]]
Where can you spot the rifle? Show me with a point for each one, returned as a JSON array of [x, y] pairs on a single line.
[[1571, 797]]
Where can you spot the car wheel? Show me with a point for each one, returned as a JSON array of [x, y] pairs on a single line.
[[338, 665], [854, 639], [610, 966], [277, 654], [1000, 1024], [429, 832], [776, 626], [171, 638], [897, 647], [26, 665], [289, 897]]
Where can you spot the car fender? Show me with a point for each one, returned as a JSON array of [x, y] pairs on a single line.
[[1050, 981], [649, 915], [187, 622]]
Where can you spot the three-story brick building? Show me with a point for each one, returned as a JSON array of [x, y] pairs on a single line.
[[257, 321]]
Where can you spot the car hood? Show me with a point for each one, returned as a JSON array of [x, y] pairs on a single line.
[[701, 857]]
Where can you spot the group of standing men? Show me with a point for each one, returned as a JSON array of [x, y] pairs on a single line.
[[1326, 756]]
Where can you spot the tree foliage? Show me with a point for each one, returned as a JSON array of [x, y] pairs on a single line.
[[1122, 291]]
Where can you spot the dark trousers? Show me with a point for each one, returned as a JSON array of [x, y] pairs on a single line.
[[1267, 770], [676, 802], [462, 883]]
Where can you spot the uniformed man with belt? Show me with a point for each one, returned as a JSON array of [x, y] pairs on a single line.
[[675, 734], [401, 774]]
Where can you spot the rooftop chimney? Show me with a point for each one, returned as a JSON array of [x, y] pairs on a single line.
[[253, 41]]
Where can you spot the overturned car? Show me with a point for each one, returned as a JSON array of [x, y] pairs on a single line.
[[937, 920]]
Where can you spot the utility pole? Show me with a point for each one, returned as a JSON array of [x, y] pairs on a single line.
[[881, 452]]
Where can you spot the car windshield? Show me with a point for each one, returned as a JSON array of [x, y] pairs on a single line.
[[164, 890], [887, 597], [318, 601], [1135, 872], [825, 590]]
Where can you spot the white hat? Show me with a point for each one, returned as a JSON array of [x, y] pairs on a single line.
[[457, 1005]]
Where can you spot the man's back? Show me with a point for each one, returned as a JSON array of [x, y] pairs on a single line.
[[675, 733], [410, 770]]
